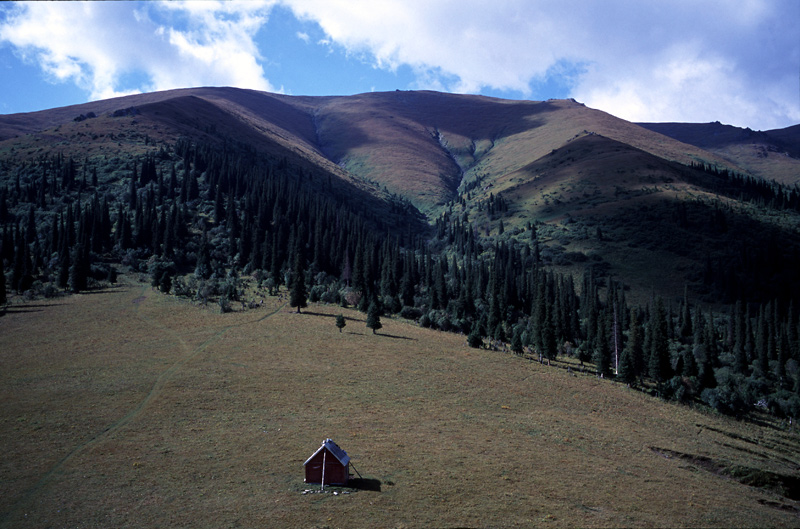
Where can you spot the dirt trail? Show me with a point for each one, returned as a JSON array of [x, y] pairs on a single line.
[[158, 385]]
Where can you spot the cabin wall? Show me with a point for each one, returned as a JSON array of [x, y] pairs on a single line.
[[335, 472]]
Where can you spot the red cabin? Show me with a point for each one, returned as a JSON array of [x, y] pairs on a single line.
[[329, 465]]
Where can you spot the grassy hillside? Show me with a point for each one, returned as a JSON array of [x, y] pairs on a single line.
[[423, 145], [127, 408], [647, 221], [125, 127], [772, 155]]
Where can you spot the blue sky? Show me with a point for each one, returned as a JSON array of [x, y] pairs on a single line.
[[737, 62]]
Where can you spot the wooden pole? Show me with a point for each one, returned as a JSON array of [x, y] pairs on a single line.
[[324, 453], [616, 343]]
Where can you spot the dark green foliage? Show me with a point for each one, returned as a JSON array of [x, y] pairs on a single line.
[[79, 269], [626, 372], [516, 340], [225, 213], [340, 322], [631, 362], [601, 356], [659, 366], [374, 317], [475, 339], [299, 295]]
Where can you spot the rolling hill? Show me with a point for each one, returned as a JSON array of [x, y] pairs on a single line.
[[555, 162], [660, 257]]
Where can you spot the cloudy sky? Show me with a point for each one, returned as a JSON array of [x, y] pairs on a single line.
[[735, 61]]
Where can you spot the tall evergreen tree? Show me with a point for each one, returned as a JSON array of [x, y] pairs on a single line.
[[475, 339], [601, 356], [659, 365], [79, 270], [516, 340], [739, 340], [631, 362], [374, 317], [299, 294]]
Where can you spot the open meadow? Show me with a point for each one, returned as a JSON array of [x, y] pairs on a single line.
[[129, 408]]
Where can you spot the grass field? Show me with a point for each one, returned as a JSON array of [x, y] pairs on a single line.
[[127, 408]]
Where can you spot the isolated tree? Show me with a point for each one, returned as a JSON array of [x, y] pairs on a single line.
[[374, 317], [299, 295], [340, 322]]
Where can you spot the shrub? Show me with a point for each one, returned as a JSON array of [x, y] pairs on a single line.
[[224, 305], [474, 339], [724, 400], [316, 293], [425, 321], [331, 295], [410, 313]]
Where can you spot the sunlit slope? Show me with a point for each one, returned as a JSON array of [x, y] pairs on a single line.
[[772, 154], [128, 408], [423, 145], [420, 145]]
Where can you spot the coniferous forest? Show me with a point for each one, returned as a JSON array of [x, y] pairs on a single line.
[[198, 220]]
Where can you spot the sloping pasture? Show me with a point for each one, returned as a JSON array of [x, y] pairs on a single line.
[[127, 408]]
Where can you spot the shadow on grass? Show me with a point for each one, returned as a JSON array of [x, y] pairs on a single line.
[[395, 337], [365, 484], [28, 307], [347, 318], [104, 290]]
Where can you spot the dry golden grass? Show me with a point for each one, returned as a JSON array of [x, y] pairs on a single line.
[[127, 408]]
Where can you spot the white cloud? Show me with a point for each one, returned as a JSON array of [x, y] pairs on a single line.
[[115, 48], [660, 60]]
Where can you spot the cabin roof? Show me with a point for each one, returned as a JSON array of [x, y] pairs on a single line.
[[334, 449]]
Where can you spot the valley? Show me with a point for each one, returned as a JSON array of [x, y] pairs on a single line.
[[551, 315]]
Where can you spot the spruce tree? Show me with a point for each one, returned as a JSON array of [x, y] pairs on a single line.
[[631, 361], [374, 317], [690, 368], [475, 339], [626, 372], [299, 295], [340, 322], [516, 340], [64, 266], [602, 349], [706, 369], [79, 271], [659, 365], [739, 329]]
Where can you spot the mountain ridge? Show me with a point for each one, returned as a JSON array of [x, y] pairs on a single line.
[[417, 144], [555, 164]]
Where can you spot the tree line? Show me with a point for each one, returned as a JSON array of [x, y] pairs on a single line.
[[197, 219]]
